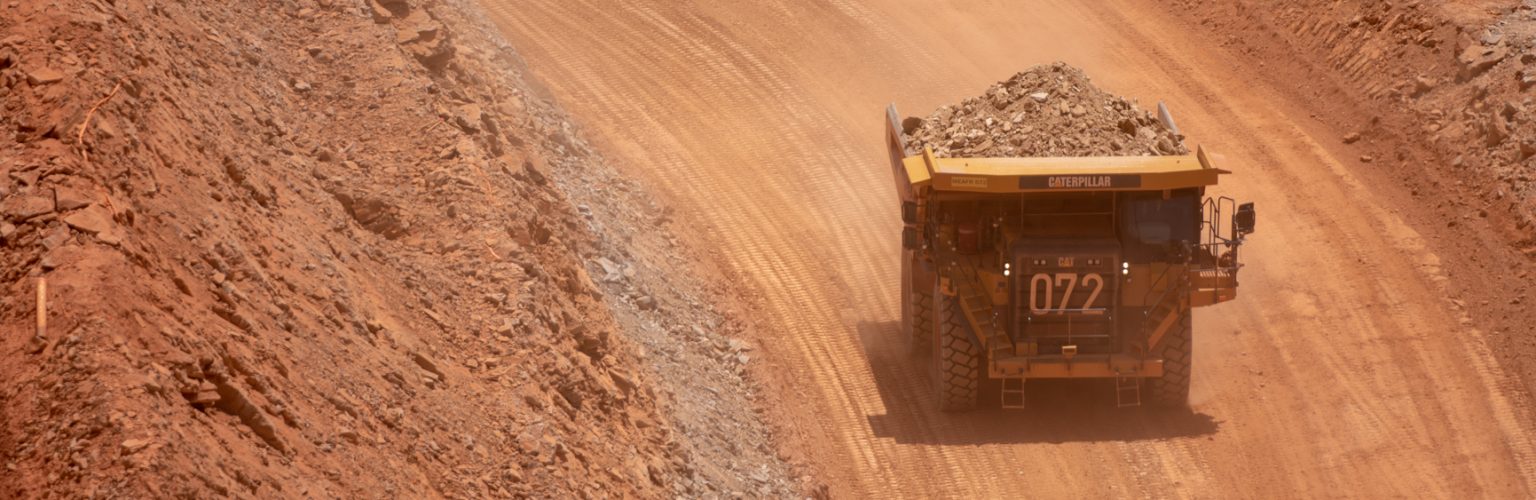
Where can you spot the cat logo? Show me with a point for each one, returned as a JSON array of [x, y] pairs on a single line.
[[1064, 262], [1081, 181]]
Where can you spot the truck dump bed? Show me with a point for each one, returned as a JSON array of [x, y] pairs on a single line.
[[1013, 175]]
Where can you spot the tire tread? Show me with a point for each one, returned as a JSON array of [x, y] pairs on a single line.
[[958, 363]]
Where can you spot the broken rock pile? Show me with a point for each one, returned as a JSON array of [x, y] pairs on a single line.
[[1048, 110]]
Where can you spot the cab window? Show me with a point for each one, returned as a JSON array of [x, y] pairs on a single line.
[[1150, 225]]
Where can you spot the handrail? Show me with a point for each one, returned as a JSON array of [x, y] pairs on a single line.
[[970, 268], [1212, 209], [1211, 225], [1167, 292], [1153, 287], [1080, 310]]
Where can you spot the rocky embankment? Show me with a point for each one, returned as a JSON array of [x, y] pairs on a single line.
[[327, 248]]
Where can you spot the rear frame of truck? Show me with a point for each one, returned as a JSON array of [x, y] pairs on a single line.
[[1016, 269]]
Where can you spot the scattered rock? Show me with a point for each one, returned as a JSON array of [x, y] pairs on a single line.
[[234, 401], [419, 27], [202, 395], [612, 272], [381, 15], [1479, 58], [65, 199], [536, 170], [376, 213], [22, 208], [428, 366], [394, 417], [55, 237], [468, 118], [1351, 138], [434, 53], [1422, 85], [94, 219], [646, 303], [349, 434], [623, 380], [1127, 125], [44, 76], [1491, 37], [131, 446], [1367, 158], [1495, 128]]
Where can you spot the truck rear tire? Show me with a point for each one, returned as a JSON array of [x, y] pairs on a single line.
[[958, 360], [1177, 351], [921, 335], [916, 308]]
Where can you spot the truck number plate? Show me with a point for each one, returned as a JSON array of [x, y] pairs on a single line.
[[1043, 292]]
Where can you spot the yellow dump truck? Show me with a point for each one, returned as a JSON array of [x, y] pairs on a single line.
[[1016, 269]]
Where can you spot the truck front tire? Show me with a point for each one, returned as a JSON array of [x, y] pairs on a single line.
[[1177, 350], [958, 360]]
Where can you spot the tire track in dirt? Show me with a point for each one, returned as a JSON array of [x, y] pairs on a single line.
[[760, 119], [1414, 250], [779, 268]]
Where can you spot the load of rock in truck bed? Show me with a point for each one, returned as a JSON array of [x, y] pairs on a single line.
[[1049, 110]]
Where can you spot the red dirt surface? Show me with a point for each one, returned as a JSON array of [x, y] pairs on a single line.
[[1373, 350], [1443, 127], [329, 248], [322, 248]]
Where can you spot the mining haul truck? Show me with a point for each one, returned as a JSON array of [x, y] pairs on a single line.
[[1016, 269]]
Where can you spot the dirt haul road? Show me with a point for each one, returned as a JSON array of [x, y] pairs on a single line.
[[1343, 368]]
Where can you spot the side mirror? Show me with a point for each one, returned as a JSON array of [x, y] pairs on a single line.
[[1242, 221]]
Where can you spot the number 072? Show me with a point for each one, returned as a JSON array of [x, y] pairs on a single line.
[[1043, 292]]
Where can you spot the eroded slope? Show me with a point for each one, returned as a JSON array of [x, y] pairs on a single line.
[[328, 248]]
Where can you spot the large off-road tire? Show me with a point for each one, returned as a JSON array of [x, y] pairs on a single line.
[[1177, 351], [906, 296], [921, 306], [957, 360], [916, 307]]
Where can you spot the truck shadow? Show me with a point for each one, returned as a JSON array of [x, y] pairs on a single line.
[[1058, 411]]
